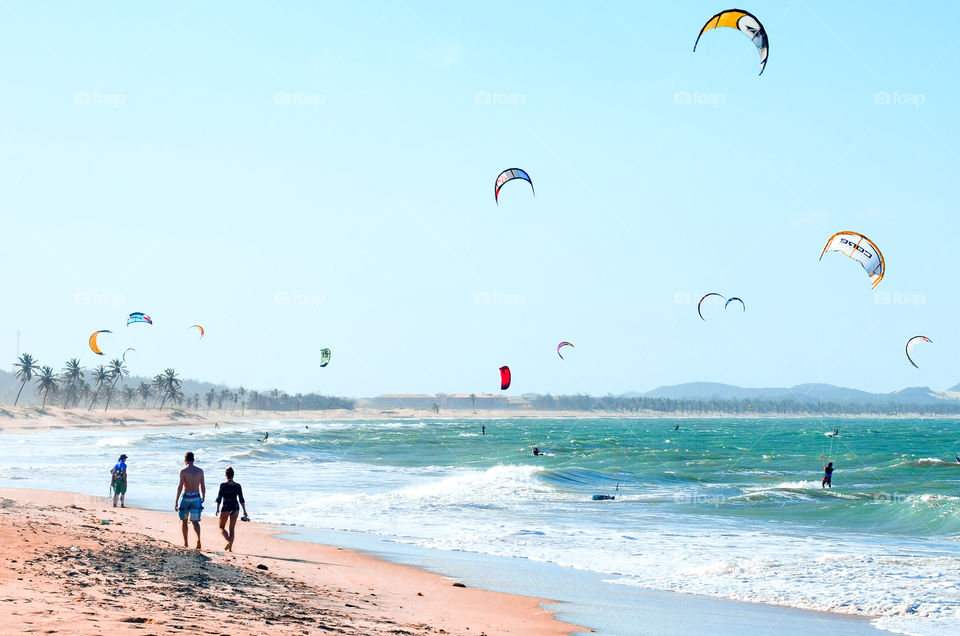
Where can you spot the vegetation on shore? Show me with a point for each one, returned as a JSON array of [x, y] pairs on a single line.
[[72, 388]]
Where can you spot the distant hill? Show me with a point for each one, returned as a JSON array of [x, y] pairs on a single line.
[[802, 393]]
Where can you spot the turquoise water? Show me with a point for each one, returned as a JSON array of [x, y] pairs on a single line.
[[723, 507]]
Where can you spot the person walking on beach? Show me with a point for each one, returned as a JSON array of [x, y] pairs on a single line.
[[118, 481], [194, 491], [827, 476], [231, 494]]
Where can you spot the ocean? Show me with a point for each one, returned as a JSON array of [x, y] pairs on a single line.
[[728, 508]]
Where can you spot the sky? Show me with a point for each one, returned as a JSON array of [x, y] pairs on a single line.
[[301, 175]]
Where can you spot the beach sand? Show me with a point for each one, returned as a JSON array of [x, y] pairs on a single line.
[[63, 569]]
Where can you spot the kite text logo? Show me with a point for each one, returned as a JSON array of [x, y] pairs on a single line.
[[883, 98], [296, 98], [484, 98], [683, 98], [86, 98], [857, 247], [90, 298], [896, 298], [298, 298], [496, 298]]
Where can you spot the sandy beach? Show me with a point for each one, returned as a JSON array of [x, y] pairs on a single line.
[[74, 564]]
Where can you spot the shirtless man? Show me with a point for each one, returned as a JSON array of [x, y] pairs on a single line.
[[194, 491]]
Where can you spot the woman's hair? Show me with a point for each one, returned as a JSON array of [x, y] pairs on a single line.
[[230, 473]]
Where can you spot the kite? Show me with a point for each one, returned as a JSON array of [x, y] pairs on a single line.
[[510, 175], [324, 357], [747, 23], [861, 249], [563, 344], [739, 300], [913, 342], [708, 296], [93, 341], [198, 327], [138, 316], [124, 356], [504, 378]]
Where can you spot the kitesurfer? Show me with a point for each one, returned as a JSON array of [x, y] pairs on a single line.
[[265, 436], [483, 429], [677, 427], [827, 476], [536, 451]]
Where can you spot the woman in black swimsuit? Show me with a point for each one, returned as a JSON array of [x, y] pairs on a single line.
[[231, 494]]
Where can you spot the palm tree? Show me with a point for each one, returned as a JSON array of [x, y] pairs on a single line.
[[172, 386], [128, 394], [242, 392], [116, 371], [101, 378], [72, 378], [26, 367], [158, 387], [47, 383], [210, 396], [145, 391], [221, 397]]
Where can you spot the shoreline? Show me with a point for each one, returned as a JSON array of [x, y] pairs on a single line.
[[75, 574], [355, 587], [27, 419]]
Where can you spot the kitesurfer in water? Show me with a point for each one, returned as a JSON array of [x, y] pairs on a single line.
[[536, 450], [483, 429], [265, 436], [827, 476], [677, 427]]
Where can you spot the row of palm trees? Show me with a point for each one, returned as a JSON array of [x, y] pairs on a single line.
[[72, 385]]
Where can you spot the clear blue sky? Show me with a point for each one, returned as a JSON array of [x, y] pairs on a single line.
[[301, 175]]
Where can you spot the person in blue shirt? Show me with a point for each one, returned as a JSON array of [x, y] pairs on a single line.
[[118, 481]]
